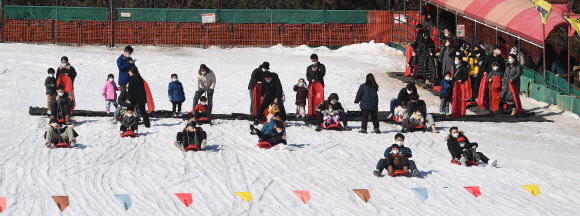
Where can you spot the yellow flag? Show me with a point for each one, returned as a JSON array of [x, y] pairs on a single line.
[[544, 8], [534, 189], [247, 196], [575, 23]]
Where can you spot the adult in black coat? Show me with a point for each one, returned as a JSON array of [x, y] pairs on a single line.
[[368, 97], [404, 95], [487, 66], [62, 102], [460, 71], [316, 71], [66, 68], [137, 95], [462, 150], [257, 77], [423, 54], [332, 100], [271, 91]]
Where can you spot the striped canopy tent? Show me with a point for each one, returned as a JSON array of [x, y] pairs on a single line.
[[518, 17]]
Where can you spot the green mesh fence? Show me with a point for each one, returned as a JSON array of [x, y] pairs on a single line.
[[58, 13], [245, 16], [350, 16], [297, 16]]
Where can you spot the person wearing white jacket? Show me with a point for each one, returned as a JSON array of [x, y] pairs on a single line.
[[204, 81]]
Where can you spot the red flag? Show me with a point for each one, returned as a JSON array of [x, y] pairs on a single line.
[[473, 190], [185, 198], [303, 195]]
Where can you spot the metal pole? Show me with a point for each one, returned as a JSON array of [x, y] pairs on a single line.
[[1, 24], [112, 44], [438, 30], [391, 22], [421, 12], [569, 51], [544, 49], [406, 22], [475, 34]]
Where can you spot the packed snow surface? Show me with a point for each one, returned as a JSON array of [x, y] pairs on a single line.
[[329, 164]]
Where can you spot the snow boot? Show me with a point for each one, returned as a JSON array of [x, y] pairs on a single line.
[[346, 128], [463, 161], [50, 145], [318, 129], [203, 143], [377, 131], [404, 130], [48, 112], [364, 131], [441, 112], [178, 145], [73, 143], [115, 121], [67, 119], [256, 122], [108, 110], [390, 116], [377, 173], [415, 173], [493, 163]]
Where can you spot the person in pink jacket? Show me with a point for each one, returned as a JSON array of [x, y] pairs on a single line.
[[110, 92]]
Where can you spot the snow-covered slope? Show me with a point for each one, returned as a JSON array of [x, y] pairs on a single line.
[[328, 164]]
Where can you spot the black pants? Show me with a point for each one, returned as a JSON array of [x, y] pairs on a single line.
[[266, 104], [471, 155], [199, 136], [365, 118], [143, 112], [384, 164], [63, 108], [268, 138], [133, 128], [178, 105], [205, 113], [320, 118]]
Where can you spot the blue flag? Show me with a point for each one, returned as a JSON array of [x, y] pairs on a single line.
[[125, 200], [421, 193]]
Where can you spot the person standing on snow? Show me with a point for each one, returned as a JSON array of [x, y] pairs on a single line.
[[369, 102], [204, 82], [125, 63], [66, 68], [257, 77], [316, 71], [512, 73], [137, 95], [271, 92]]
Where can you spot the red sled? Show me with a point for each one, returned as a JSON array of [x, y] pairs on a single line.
[[335, 126], [398, 173], [409, 54], [516, 98], [61, 145], [257, 99], [192, 148], [494, 93], [265, 145], [199, 120], [469, 163], [437, 88], [482, 90], [67, 83], [129, 134], [469, 92], [150, 103], [458, 101], [398, 120], [315, 98]]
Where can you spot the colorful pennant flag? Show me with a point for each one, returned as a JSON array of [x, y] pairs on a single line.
[[2, 204], [534, 189], [61, 202], [421, 193], [544, 8], [473, 190], [125, 200], [304, 195], [575, 23], [247, 196], [363, 194], [185, 198]]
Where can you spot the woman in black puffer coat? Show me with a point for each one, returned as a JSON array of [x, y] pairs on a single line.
[[369, 102]]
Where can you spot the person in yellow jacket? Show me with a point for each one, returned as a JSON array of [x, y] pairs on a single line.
[[470, 57]]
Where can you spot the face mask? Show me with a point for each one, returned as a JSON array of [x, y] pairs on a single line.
[[498, 52], [447, 44], [429, 16], [268, 81], [495, 68], [413, 54], [63, 64], [300, 84], [111, 79], [400, 143], [329, 110], [53, 124], [395, 151], [418, 113], [511, 61], [50, 75], [128, 55], [203, 103], [61, 94], [446, 35], [462, 144], [203, 73], [279, 131], [409, 92], [448, 78], [456, 62], [314, 63], [468, 50], [174, 80], [456, 135], [477, 54], [437, 54], [129, 115], [333, 101], [190, 128], [461, 48], [264, 69]]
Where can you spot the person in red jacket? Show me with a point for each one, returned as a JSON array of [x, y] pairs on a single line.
[[202, 109], [301, 90]]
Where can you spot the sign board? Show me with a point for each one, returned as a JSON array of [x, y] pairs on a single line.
[[208, 18], [401, 18], [126, 15], [460, 30]]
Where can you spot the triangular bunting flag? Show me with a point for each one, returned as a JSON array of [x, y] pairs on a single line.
[[125, 200], [363, 194], [534, 189], [247, 196], [473, 190], [304, 195], [185, 198], [2, 204], [575, 25], [421, 193], [61, 202]]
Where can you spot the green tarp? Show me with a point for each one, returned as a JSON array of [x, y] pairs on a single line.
[[57, 13]]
